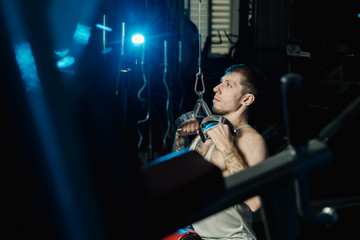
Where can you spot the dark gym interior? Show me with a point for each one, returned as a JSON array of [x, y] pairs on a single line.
[[87, 115]]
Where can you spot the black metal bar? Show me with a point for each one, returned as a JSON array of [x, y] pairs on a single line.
[[293, 107], [270, 174]]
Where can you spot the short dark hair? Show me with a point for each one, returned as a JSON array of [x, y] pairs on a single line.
[[254, 79], [254, 83]]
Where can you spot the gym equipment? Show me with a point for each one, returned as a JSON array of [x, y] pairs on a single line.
[[280, 180], [201, 111]]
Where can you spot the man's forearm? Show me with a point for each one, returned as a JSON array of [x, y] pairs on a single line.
[[180, 142], [233, 160]]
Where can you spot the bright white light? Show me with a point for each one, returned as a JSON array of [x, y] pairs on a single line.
[[138, 39]]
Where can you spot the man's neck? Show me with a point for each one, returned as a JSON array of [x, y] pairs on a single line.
[[236, 120]]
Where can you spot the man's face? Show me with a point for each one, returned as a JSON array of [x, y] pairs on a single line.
[[228, 94]]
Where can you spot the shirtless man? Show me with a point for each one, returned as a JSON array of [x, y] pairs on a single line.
[[234, 95]]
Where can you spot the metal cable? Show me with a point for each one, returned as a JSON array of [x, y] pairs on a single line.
[[199, 74]]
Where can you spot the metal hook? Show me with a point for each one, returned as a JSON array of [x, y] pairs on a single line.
[[199, 93]]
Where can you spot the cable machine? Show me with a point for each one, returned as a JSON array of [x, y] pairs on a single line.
[[201, 111]]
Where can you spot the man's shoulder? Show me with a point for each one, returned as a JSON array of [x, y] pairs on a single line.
[[250, 134], [253, 146]]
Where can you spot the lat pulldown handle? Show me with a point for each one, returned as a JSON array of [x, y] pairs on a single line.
[[206, 120], [201, 110], [212, 121]]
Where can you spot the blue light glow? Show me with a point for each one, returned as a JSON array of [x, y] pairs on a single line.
[[106, 50], [65, 62], [138, 39], [26, 62], [48, 138], [103, 27], [62, 52], [168, 156], [82, 34]]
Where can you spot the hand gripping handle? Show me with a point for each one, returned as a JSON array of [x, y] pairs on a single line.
[[211, 122], [201, 110]]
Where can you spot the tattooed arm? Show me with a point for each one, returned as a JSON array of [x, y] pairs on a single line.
[[180, 142], [188, 127], [245, 151], [234, 162], [231, 156]]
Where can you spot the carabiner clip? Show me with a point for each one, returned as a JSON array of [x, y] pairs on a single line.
[[199, 75]]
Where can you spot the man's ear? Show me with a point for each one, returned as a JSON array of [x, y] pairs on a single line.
[[248, 99]]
